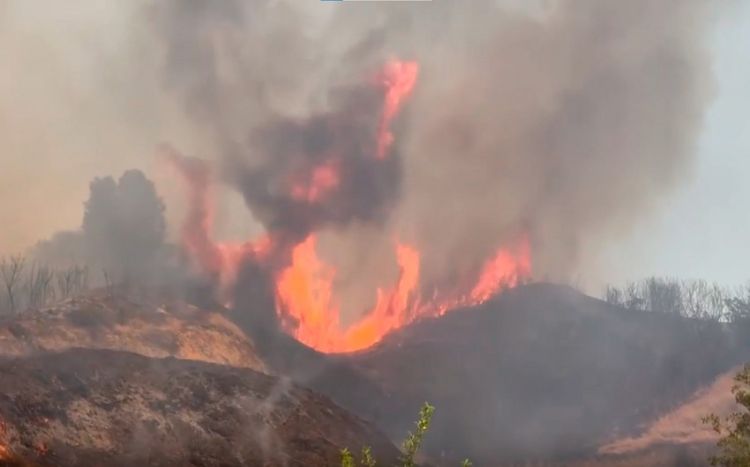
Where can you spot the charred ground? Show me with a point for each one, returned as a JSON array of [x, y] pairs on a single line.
[[540, 373]]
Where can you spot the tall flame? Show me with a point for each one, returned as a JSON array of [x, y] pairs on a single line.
[[305, 298], [399, 79], [308, 309], [505, 269]]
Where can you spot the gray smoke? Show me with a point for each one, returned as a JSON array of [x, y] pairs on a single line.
[[573, 126], [568, 123], [265, 149], [122, 233]]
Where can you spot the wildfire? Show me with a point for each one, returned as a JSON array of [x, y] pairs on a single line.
[[305, 293], [399, 79], [505, 269], [219, 260], [306, 302], [317, 185]]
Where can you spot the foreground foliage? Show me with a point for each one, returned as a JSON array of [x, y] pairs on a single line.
[[409, 447], [734, 445]]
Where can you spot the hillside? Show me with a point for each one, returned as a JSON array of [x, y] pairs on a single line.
[[100, 407], [101, 321], [542, 371], [539, 373], [682, 426]]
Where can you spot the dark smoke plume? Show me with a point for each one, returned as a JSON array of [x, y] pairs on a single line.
[[343, 141]]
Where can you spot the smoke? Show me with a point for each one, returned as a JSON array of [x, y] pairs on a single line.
[[568, 123], [74, 106], [573, 126], [122, 233], [339, 147]]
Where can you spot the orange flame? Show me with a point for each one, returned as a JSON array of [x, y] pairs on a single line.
[[305, 297], [393, 308], [399, 79], [218, 260], [322, 180], [505, 269], [308, 309]]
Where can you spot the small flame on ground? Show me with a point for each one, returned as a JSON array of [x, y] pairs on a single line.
[[5, 453], [505, 269]]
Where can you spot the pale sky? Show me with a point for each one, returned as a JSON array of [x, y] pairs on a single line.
[[704, 229]]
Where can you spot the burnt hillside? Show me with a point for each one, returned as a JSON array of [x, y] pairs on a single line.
[[540, 372]]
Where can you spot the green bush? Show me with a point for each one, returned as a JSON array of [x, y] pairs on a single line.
[[734, 444], [409, 447]]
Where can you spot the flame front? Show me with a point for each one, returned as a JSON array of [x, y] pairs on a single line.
[[308, 309], [306, 302]]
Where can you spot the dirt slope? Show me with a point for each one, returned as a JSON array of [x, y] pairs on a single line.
[[100, 321], [108, 408]]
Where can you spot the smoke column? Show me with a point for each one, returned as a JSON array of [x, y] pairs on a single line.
[[568, 124], [558, 127]]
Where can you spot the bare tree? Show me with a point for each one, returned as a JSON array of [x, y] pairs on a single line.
[[662, 295], [11, 270], [72, 281], [738, 305], [694, 299], [704, 300], [107, 283], [634, 299], [82, 279], [39, 286], [64, 282], [694, 295]]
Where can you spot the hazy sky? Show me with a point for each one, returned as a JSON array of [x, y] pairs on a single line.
[[704, 229], [56, 136]]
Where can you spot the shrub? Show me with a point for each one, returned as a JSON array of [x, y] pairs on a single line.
[[734, 444], [409, 447]]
